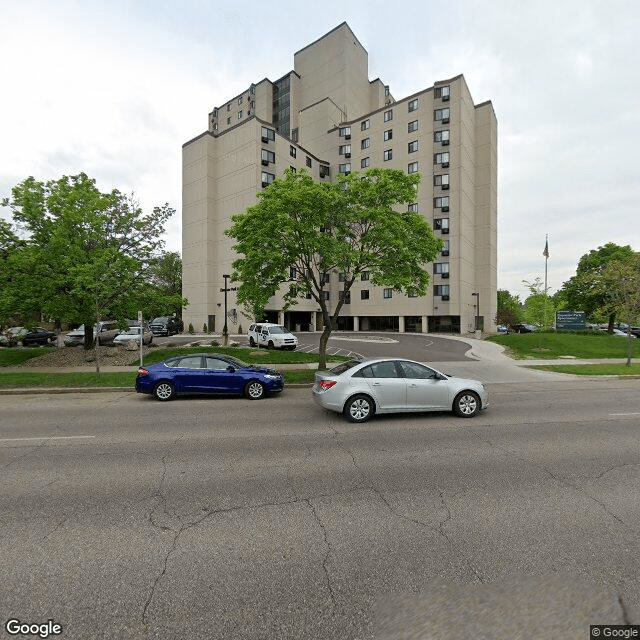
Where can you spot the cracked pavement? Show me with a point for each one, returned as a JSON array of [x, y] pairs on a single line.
[[222, 518]]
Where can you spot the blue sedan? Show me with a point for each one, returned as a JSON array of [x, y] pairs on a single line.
[[207, 373]]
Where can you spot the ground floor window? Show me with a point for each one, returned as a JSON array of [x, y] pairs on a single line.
[[413, 324], [379, 323], [444, 324]]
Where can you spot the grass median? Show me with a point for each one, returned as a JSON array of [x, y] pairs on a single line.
[[592, 369]]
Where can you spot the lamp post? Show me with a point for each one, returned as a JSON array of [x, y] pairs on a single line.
[[477, 318], [225, 331]]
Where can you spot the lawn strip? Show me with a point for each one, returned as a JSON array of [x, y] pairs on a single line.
[[592, 369]]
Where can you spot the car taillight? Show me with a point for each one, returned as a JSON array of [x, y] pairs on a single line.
[[142, 372], [326, 384]]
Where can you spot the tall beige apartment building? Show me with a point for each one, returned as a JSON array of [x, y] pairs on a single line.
[[327, 117]]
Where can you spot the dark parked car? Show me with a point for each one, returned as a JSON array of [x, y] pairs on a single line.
[[166, 326], [207, 373], [524, 328], [37, 335]]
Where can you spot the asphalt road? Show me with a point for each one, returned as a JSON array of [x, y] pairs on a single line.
[[123, 517]]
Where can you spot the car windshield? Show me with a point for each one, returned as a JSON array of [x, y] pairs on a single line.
[[278, 329], [238, 364], [133, 331]]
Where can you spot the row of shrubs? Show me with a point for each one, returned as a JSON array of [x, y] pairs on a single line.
[[191, 330]]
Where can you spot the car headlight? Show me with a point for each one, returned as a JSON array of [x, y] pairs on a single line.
[[272, 376]]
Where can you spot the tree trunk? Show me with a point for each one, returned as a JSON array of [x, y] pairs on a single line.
[[612, 319], [88, 336], [324, 338]]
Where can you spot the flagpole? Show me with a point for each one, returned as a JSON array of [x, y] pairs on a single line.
[[545, 253]]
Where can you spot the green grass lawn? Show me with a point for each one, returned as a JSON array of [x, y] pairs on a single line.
[[14, 357], [250, 356], [541, 345], [592, 369]]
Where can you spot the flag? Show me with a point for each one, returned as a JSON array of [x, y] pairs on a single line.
[[545, 253]]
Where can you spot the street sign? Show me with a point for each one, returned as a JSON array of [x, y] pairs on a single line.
[[222, 289]]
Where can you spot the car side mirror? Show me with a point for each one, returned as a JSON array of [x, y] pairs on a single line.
[[231, 368], [441, 376]]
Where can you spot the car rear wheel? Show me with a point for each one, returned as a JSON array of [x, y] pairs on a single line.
[[254, 390], [466, 404], [164, 391], [270, 345], [359, 408]]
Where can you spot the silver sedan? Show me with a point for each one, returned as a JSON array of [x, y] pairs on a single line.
[[361, 388]]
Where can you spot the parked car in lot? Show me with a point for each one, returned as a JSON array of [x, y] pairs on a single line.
[[133, 333], [361, 388], [502, 328], [104, 332], [207, 373], [524, 328], [37, 335], [12, 336], [272, 336], [166, 326]]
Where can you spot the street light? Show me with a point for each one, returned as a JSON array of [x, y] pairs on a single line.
[[225, 331], [477, 319]]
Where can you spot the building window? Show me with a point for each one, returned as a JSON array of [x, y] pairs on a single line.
[[413, 146], [345, 131], [364, 125], [268, 156], [388, 134], [441, 203], [388, 115], [341, 276], [215, 126], [364, 294], [292, 151], [364, 276], [441, 224], [240, 100], [229, 107], [294, 134], [324, 170], [364, 163], [387, 293], [413, 104], [293, 273], [267, 178], [386, 89], [345, 296], [344, 168], [441, 114], [441, 290], [441, 181], [441, 268], [309, 163], [344, 149], [412, 126], [229, 120], [364, 144], [445, 248], [441, 136], [267, 134], [413, 167], [441, 158], [388, 154], [441, 92], [240, 115], [413, 207], [325, 295]]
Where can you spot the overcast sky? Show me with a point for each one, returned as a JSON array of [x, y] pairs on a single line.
[[115, 88]]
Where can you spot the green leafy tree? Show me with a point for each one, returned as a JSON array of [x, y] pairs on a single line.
[[582, 291], [300, 230], [165, 282], [539, 307], [509, 308], [87, 253]]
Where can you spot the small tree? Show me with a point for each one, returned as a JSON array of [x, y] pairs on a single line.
[[539, 308], [509, 308], [302, 230]]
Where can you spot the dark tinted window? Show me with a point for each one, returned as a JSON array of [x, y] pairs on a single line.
[[416, 371], [344, 366], [386, 369], [190, 362], [216, 364]]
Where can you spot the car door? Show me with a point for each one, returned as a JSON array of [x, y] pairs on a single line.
[[387, 386], [187, 374], [425, 391], [218, 379]]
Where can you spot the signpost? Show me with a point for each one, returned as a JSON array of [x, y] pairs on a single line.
[[141, 334]]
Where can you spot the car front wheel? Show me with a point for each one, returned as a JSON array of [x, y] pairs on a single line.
[[359, 408], [254, 390], [252, 342], [164, 391], [466, 404]]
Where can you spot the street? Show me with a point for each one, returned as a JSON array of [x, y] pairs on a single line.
[[124, 517]]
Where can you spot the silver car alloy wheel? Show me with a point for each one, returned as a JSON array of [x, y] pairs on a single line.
[[467, 404], [359, 409], [255, 390], [164, 391]]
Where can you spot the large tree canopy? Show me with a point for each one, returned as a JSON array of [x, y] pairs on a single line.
[[301, 230], [582, 290], [86, 255]]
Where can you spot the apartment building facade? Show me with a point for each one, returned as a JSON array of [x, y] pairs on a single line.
[[327, 117]]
